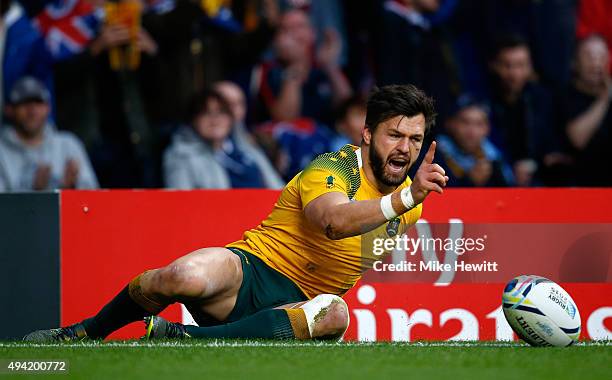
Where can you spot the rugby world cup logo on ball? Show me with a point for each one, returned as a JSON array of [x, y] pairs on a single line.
[[541, 312]]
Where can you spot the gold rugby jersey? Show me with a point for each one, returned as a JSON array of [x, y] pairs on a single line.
[[288, 243]]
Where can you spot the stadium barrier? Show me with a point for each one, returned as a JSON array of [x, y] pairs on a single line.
[[107, 237], [29, 263]]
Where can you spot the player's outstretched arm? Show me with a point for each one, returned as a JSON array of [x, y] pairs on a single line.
[[339, 218]]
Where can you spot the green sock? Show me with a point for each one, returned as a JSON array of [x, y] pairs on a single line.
[[120, 311], [266, 324]]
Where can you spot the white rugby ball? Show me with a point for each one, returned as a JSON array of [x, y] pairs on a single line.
[[541, 312]]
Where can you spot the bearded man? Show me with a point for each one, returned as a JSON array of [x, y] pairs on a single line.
[[285, 279]]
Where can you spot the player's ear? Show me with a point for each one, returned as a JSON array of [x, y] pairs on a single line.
[[366, 134]]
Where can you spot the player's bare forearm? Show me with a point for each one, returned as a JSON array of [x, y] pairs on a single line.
[[340, 219]]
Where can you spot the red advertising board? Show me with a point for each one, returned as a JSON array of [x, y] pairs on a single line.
[[108, 237], [408, 312]]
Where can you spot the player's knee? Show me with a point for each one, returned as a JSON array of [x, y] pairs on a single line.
[[339, 317], [329, 316], [179, 279]]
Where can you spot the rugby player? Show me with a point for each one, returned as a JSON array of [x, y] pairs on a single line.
[[286, 277]]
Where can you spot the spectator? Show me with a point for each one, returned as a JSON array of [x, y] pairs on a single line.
[[521, 113], [203, 155], [22, 49], [350, 120], [235, 98], [324, 14], [116, 99], [548, 27], [466, 153], [294, 85], [587, 105], [33, 154]]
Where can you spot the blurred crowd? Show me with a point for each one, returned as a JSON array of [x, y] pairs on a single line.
[[244, 93]]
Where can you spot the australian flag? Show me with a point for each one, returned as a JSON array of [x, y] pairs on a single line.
[[68, 26]]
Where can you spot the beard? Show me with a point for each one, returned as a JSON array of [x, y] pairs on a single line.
[[379, 168]]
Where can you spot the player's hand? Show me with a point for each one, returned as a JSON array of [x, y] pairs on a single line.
[[430, 177]]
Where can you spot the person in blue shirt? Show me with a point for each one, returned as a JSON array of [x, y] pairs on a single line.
[[468, 156]]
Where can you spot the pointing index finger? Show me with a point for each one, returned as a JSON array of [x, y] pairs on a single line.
[[429, 156]]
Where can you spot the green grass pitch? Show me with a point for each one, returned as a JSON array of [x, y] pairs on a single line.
[[247, 360]]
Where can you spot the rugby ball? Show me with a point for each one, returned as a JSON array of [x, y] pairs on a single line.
[[541, 312]]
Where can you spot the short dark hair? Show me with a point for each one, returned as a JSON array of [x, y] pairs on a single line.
[[199, 104], [394, 100], [507, 41]]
